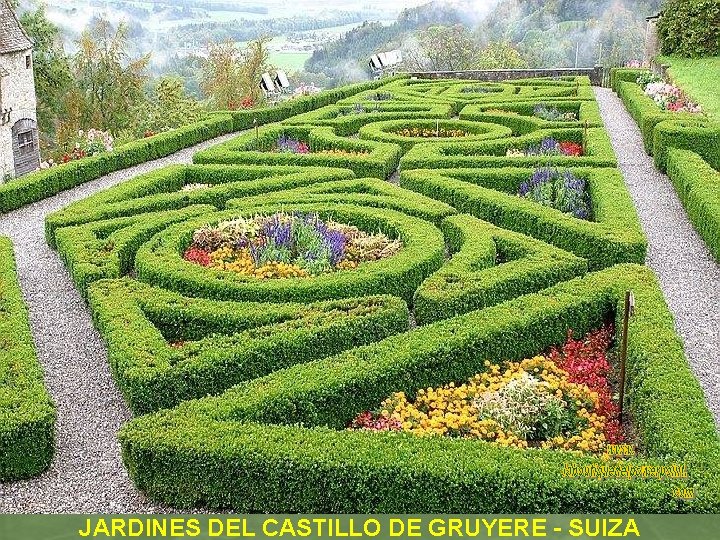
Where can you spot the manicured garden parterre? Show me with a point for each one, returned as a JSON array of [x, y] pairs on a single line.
[[264, 306]]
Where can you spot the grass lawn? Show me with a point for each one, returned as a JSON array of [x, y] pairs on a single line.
[[289, 61], [699, 78]]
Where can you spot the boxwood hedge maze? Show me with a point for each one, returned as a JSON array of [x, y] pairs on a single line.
[[408, 300]]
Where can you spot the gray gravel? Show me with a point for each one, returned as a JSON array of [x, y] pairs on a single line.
[[87, 475], [688, 274]]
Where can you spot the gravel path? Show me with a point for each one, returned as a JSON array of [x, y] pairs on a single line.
[[87, 475], [688, 274]]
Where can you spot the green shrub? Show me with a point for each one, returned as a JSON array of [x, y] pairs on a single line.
[[220, 344], [690, 28], [42, 184], [27, 414], [489, 265], [598, 151], [698, 186], [160, 261], [700, 136], [373, 158], [618, 75], [613, 237], [288, 428]]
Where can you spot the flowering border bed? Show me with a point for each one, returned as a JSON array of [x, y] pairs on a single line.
[[27, 414]]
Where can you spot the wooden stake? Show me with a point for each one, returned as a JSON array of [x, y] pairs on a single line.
[[629, 308]]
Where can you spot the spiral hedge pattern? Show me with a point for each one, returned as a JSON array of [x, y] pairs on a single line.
[[250, 413]]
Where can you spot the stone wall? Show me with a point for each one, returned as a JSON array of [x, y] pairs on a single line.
[[498, 75], [17, 91]]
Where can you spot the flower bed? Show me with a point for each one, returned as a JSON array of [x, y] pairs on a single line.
[[561, 401], [286, 245], [553, 114], [560, 190], [667, 96], [548, 147], [427, 133]]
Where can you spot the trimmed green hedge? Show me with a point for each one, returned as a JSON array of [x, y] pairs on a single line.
[[489, 265], [698, 186], [699, 136], [386, 131], [346, 121], [618, 75], [373, 158], [647, 114], [598, 152], [42, 184], [165, 348], [160, 263], [286, 430], [161, 190], [613, 237], [27, 414], [520, 115]]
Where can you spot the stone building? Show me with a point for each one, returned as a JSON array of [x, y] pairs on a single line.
[[19, 141]]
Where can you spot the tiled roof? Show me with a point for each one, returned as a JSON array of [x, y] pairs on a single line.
[[12, 36]]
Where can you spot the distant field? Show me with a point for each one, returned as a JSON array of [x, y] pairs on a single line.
[[289, 61], [699, 78]]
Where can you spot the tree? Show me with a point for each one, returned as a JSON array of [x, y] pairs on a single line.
[[448, 48], [110, 84], [501, 55], [230, 75], [169, 107], [53, 78]]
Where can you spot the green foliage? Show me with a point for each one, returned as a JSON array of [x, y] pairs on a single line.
[[490, 194], [169, 107], [698, 186], [247, 340], [51, 66], [280, 427], [27, 414], [489, 265], [698, 135], [689, 28]]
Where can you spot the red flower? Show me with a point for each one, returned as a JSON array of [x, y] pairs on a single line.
[[198, 256], [586, 363], [569, 148]]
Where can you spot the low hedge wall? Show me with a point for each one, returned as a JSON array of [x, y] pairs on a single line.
[[161, 190], [288, 428], [386, 132], [698, 186], [159, 262], [42, 184], [647, 114], [519, 115], [699, 136], [372, 159], [349, 123], [246, 119], [598, 152], [489, 265], [27, 414], [615, 235], [222, 344], [618, 75]]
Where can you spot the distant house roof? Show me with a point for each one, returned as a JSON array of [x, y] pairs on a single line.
[[12, 36]]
